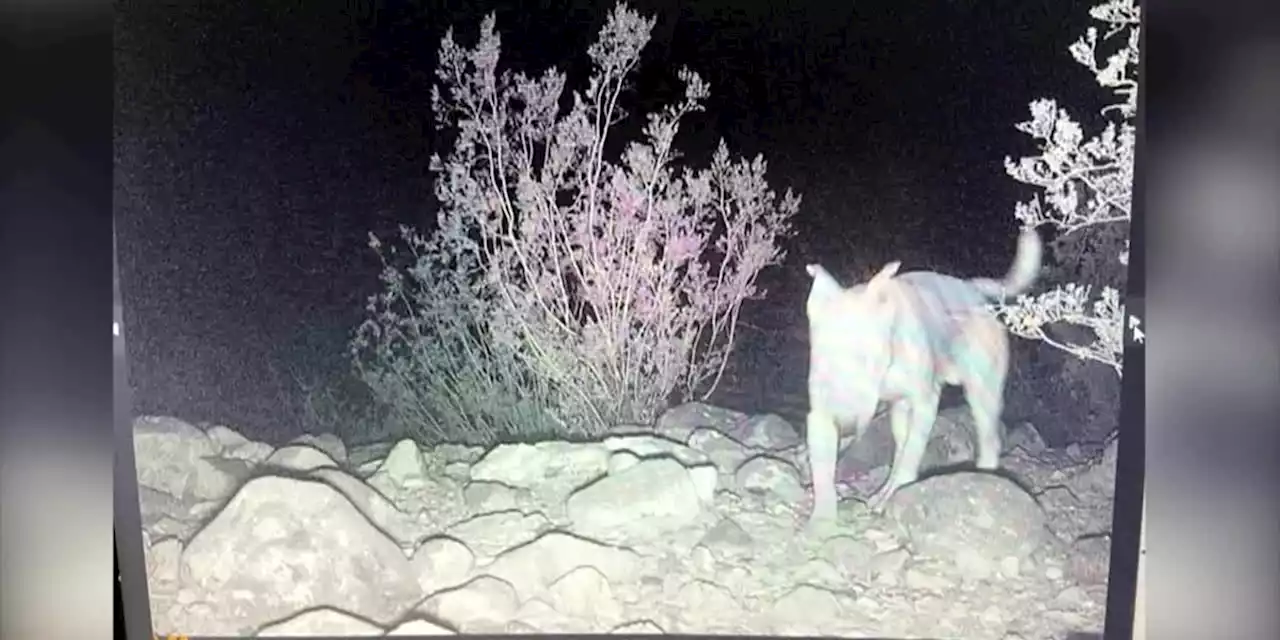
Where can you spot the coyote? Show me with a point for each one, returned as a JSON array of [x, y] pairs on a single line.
[[900, 338]]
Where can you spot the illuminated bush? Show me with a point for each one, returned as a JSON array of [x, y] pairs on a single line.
[[563, 291], [1088, 186]]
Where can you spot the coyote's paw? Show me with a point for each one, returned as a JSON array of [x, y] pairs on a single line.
[[821, 525], [876, 503], [821, 512]]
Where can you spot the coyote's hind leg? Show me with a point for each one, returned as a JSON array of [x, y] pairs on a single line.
[[983, 360], [912, 425]]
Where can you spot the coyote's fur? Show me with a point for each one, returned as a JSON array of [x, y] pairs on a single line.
[[900, 338]]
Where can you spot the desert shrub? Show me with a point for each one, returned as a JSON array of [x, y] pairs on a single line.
[[1087, 186], [563, 291]]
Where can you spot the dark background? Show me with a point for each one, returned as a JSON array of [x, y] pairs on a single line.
[[258, 143]]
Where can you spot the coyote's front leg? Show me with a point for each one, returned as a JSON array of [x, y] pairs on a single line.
[[822, 436]]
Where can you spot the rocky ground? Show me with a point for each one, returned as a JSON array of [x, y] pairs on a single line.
[[692, 525]]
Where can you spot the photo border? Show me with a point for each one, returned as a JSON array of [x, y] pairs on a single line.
[[1127, 507], [56, 568], [136, 596]]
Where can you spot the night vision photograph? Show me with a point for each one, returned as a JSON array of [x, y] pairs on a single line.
[[692, 317]]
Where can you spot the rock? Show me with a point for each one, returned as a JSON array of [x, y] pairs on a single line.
[[163, 562], [300, 457], [484, 497], [536, 616], [441, 563], [252, 452], [476, 606], [225, 437], [795, 610], [173, 456], [330, 444], [852, 556], [420, 627], [622, 460], [530, 466], [653, 497], [970, 520], [283, 545], [704, 600], [768, 432], [320, 622], [586, 594], [1027, 438], [644, 447], [726, 453], [492, 533], [678, 423], [155, 505], [457, 453], [886, 568], [364, 454], [1089, 561], [638, 627], [374, 506], [633, 534], [404, 467], [768, 476], [728, 536], [533, 567]]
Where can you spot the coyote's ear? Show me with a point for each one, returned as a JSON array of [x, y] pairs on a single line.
[[888, 271], [876, 286], [824, 285]]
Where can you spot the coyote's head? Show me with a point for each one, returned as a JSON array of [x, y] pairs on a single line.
[[850, 339]]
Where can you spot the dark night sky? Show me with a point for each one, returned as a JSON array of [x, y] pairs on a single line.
[[259, 142]]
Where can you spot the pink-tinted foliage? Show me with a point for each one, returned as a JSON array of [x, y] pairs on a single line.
[[613, 284]]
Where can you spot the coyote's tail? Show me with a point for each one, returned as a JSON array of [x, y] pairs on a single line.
[[1026, 266]]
